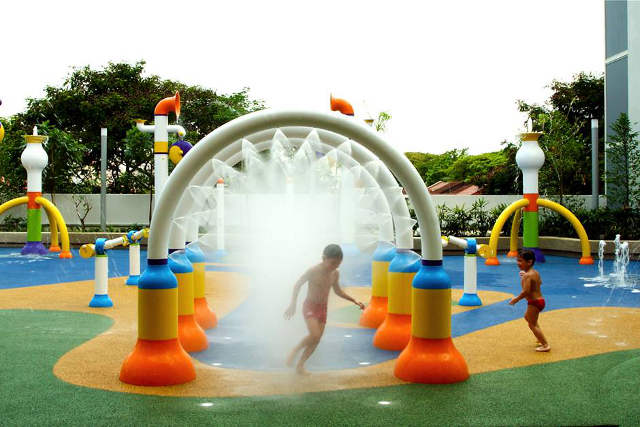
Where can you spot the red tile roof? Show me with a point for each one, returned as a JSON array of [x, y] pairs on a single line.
[[454, 187]]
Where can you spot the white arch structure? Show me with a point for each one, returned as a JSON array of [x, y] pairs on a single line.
[[430, 356], [373, 168]]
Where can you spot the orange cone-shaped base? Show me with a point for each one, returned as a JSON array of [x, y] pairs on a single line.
[[512, 254], [374, 314], [65, 254], [394, 333], [157, 363], [586, 260], [205, 317], [191, 335], [492, 261], [431, 361], [54, 248]]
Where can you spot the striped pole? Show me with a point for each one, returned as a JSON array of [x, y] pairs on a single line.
[[34, 159], [205, 317], [470, 296], [376, 311], [158, 358], [134, 238], [191, 335], [101, 276], [395, 330], [530, 159], [431, 357]]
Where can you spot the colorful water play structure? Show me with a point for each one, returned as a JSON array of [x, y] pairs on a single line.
[[472, 249], [34, 159], [530, 159], [161, 130], [159, 359], [99, 249]]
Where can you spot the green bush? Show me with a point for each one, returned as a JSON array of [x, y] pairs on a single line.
[[13, 223]]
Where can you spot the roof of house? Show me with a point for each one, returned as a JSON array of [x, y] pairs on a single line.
[[454, 187]]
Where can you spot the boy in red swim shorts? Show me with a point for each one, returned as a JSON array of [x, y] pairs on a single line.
[[321, 279], [531, 283]]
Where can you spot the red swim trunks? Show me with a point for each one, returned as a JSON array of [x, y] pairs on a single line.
[[537, 303], [315, 310]]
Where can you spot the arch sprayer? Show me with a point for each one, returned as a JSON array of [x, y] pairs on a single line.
[[158, 359], [530, 159]]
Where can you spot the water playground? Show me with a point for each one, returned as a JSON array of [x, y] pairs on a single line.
[[190, 327]]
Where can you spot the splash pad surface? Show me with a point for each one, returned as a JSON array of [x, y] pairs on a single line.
[[585, 325]]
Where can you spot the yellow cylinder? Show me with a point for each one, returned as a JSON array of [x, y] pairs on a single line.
[[157, 314], [198, 280], [400, 292], [379, 278], [431, 313], [185, 293]]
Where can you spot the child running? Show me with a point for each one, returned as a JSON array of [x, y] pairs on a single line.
[[321, 278], [531, 283]]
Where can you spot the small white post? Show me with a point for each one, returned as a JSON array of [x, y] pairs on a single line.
[[220, 219], [101, 283], [134, 263]]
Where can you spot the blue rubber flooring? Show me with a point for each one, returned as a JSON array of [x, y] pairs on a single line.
[[233, 345]]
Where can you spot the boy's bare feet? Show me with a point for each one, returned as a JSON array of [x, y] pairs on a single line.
[[301, 371], [543, 348]]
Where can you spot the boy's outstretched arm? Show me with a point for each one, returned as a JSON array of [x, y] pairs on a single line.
[[526, 288], [291, 310], [342, 294]]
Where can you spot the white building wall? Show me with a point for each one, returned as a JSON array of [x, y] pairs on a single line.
[[124, 209]]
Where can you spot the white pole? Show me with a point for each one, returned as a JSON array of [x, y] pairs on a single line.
[[470, 274], [101, 283], [134, 264], [160, 155], [220, 215]]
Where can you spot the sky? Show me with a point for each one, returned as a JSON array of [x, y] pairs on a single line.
[[449, 73]]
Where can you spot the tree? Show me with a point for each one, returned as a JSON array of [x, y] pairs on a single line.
[[494, 172], [112, 97], [623, 178], [435, 167], [563, 146], [578, 101], [381, 122]]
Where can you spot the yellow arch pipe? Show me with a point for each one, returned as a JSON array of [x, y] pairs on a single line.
[[53, 225], [492, 259], [64, 234], [513, 240], [582, 234], [54, 246], [13, 203]]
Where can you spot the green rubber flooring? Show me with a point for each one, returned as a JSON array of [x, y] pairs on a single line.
[[603, 389]]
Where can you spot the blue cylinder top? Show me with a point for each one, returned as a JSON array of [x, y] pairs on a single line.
[[194, 253], [405, 261], [384, 252], [179, 263], [431, 277], [157, 276]]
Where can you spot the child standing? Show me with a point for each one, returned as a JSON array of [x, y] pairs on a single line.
[[321, 278], [531, 283]]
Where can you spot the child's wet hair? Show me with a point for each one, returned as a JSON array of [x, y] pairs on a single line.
[[527, 255], [332, 251]]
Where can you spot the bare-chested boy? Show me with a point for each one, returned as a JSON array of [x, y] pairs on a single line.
[[321, 279], [531, 283]]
